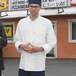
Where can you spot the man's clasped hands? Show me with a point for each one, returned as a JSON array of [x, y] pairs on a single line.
[[30, 48]]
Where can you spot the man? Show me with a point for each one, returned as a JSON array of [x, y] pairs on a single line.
[[3, 42], [34, 38]]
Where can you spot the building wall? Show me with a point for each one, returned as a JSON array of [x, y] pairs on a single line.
[[64, 48], [10, 50]]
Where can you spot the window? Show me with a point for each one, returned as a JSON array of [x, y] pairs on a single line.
[[9, 30], [72, 30]]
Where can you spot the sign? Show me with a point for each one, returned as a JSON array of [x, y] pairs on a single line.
[[72, 2], [3, 5], [54, 3], [18, 5], [8, 31]]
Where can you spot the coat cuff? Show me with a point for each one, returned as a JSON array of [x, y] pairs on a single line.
[[17, 46]]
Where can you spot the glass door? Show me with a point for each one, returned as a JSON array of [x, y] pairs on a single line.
[[53, 52]]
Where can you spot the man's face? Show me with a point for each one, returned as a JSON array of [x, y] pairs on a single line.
[[34, 9]]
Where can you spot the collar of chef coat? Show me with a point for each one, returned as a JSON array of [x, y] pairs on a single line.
[[37, 19]]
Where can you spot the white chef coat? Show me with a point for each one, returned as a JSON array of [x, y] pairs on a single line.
[[38, 32]]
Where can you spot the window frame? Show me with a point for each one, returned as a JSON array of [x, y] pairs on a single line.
[[70, 30]]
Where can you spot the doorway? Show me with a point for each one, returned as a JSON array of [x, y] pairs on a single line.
[[53, 52]]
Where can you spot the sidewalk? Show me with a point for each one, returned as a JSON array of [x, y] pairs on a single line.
[[54, 67]]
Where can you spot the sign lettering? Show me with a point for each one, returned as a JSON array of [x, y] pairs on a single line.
[[54, 3], [8, 31], [72, 2], [18, 5]]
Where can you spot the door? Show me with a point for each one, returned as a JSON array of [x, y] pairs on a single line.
[[53, 52]]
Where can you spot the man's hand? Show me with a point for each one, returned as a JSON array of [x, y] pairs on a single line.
[[31, 48], [25, 47], [36, 48]]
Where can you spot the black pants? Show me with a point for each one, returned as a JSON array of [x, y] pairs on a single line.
[[0, 73], [31, 73]]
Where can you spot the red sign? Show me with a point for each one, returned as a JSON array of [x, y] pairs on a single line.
[[73, 2]]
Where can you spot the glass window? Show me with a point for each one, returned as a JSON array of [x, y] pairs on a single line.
[[9, 30], [72, 30]]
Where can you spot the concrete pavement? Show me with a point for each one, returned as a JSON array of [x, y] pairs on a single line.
[[54, 67]]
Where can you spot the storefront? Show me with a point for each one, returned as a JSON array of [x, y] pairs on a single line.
[[64, 24], [65, 30]]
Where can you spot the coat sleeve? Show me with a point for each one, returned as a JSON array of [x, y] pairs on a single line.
[[17, 38], [3, 38], [50, 39]]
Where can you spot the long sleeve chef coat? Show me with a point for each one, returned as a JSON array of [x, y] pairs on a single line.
[[39, 33]]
